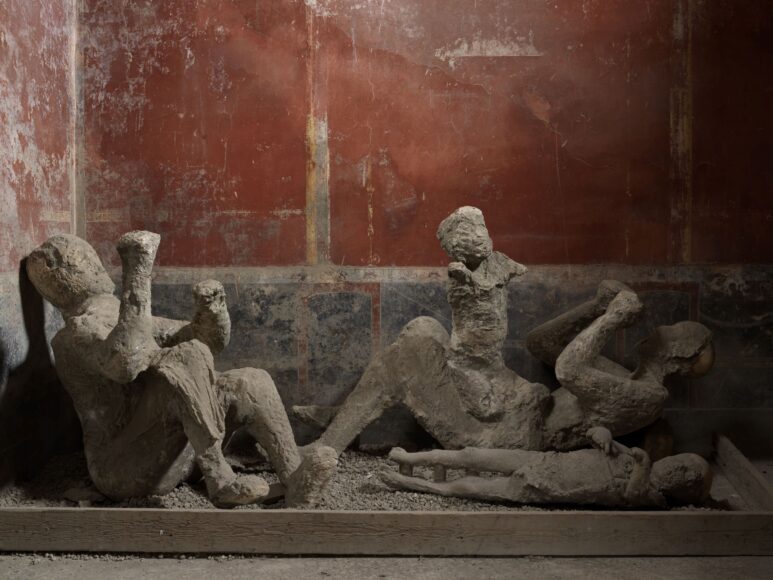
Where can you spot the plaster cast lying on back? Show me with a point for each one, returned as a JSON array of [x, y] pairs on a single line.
[[146, 390], [611, 475]]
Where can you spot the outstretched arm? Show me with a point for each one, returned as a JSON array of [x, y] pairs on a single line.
[[547, 341]]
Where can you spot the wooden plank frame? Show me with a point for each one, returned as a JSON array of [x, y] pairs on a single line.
[[746, 478], [297, 532]]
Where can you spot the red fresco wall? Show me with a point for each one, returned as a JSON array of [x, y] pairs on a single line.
[[288, 132], [733, 132], [35, 124]]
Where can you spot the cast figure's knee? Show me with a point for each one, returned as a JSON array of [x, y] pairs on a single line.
[[568, 369], [248, 393], [424, 327], [255, 383]]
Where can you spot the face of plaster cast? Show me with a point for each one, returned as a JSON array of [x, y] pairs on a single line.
[[702, 363], [67, 271], [683, 478], [464, 237], [683, 348]]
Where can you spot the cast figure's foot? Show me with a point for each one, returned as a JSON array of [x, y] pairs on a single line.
[[304, 489], [606, 292], [243, 490], [314, 415], [401, 482], [625, 307]]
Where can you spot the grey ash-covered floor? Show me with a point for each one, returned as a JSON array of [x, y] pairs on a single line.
[[356, 486], [64, 482]]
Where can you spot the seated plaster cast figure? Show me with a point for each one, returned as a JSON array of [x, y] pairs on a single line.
[[457, 386], [145, 388], [460, 390], [611, 475]]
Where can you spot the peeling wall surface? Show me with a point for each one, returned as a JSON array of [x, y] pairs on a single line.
[[194, 126], [35, 131], [36, 177]]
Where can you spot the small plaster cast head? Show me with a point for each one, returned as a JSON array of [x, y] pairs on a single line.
[[67, 271], [683, 348], [209, 293], [464, 237], [682, 479]]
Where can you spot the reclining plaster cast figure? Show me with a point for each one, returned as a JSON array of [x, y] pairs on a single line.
[[598, 391], [460, 390], [611, 475], [149, 399]]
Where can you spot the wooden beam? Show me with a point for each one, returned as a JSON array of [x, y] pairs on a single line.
[[750, 484], [693, 533]]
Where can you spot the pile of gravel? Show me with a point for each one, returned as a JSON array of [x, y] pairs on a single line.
[[64, 482]]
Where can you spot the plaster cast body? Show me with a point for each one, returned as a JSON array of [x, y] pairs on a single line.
[[618, 477], [145, 388], [597, 391], [459, 388]]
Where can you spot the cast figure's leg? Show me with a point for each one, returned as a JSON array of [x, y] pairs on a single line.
[[251, 400], [413, 371], [474, 459], [184, 376], [621, 404], [480, 488], [547, 341]]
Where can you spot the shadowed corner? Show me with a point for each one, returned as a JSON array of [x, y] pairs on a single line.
[[37, 418]]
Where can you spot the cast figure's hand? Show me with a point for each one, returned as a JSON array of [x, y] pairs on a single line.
[[640, 456], [209, 296], [601, 438], [211, 323], [517, 269], [459, 272]]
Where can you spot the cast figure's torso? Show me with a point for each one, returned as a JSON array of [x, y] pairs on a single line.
[[587, 476], [124, 433], [479, 310]]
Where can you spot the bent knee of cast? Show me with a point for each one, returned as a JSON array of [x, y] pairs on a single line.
[[424, 327], [255, 382], [568, 370]]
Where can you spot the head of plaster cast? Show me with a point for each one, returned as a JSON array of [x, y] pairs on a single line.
[[464, 237], [67, 271], [682, 479], [684, 348]]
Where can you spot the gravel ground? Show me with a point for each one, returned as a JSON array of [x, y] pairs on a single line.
[[64, 482]]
